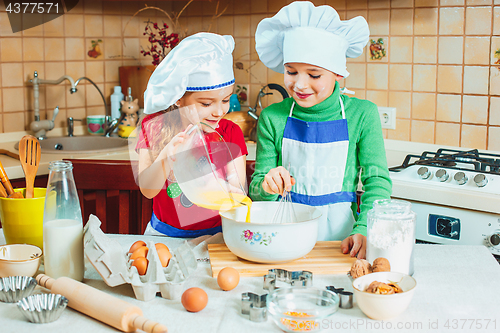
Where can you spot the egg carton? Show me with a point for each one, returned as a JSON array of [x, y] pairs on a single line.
[[115, 267]]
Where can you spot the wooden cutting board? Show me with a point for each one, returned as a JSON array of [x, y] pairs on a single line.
[[8, 153], [325, 258], [135, 77]]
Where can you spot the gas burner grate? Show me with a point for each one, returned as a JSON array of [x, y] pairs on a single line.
[[450, 158]]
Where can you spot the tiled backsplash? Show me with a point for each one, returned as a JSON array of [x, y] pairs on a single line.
[[434, 60]]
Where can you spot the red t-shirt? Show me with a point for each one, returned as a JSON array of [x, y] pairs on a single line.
[[170, 205]]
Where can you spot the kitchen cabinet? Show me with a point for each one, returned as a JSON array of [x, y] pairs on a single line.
[[250, 168], [135, 77], [40, 181], [107, 189]]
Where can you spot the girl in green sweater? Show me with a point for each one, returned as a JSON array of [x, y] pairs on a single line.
[[330, 141]]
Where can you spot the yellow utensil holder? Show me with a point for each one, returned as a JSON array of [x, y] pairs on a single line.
[[22, 219]]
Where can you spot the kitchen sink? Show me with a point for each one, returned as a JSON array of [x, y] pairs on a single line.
[[81, 144]]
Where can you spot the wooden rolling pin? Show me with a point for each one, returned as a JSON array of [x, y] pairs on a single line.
[[99, 305]]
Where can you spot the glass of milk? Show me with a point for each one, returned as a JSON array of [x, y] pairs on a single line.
[[391, 234], [62, 224]]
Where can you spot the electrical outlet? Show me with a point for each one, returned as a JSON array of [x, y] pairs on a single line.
[[387, 117]]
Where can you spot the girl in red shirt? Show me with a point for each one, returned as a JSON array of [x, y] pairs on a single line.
[[196, 75]]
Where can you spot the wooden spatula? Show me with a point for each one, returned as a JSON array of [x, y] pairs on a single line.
[[29, 155]]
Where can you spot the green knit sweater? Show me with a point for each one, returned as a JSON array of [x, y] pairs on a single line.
[[366, 155]]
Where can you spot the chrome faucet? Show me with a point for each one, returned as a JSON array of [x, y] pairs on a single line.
[[71, 125], [109, 126], [41, 127]]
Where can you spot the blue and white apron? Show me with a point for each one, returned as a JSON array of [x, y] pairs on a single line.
[[156, 227], [317, 153]]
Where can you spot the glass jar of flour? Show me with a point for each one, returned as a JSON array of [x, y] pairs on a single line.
[[391, 234]]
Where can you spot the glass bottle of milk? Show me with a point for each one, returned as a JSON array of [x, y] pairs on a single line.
[[62, 224]]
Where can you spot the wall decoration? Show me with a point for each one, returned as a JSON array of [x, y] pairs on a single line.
[[377, 49], [497, 55], [95, 49], [242, 91]]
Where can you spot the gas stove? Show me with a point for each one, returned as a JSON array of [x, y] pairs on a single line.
[[456, 195]]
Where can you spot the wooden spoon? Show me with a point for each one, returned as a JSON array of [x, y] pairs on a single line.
[[29, 154], [5, 181], [3, 192]]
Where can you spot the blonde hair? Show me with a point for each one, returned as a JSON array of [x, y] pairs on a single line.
[[169, 125]]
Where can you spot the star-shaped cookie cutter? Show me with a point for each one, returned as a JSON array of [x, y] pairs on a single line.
[[345, 297], [295, 278], [254, 305]]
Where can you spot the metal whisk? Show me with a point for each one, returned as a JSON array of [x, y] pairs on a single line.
[[285, 212]]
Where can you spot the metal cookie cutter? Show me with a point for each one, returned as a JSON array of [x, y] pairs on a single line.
[[296, 278], [345, 297], [255, 306]]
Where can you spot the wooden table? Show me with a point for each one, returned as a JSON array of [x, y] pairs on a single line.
[[456, 286]]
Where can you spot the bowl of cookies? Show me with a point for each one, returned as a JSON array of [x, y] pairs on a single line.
[[384, 295]]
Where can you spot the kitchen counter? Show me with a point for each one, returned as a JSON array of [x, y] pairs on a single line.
[[457, 287]]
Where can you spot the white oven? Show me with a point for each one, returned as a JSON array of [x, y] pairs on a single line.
[[456, 195]]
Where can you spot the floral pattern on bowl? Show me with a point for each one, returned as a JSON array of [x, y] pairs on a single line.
[[257, 238]]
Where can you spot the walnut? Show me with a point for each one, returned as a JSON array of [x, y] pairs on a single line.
[[397, 289], [381, 265], [360, 267], [383, 288]]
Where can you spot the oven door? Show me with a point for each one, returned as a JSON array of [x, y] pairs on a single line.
[[456, 226]]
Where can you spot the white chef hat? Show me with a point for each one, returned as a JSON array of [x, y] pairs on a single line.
[[301, 32], [199, 62]]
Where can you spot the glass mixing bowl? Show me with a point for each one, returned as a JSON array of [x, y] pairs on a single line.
[[301, 309]]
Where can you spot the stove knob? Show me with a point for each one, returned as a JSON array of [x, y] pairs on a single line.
[[494, 239], [480, 180], [461, 178], [423, 172], [442, 175]]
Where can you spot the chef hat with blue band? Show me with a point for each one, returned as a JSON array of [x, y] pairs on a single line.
[[199, 62], [303, 33]]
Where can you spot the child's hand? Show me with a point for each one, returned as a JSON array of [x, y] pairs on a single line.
[[278, 179], [355, 244], [170, 149]]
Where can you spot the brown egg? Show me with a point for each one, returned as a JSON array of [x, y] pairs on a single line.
[[140, 252], [136, 245], [228, 278], [141, 264], [161, 246], [164, 255], [194, 299]]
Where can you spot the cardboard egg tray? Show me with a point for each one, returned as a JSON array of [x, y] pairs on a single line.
[[113, 265]]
